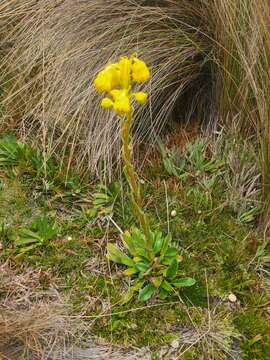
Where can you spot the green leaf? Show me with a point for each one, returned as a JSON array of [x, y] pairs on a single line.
[[157, 242], [45, 228], [26, 249], [147, 292], [165, 245], [28, 233], [10, 151], [172, 269], [129, 243], [130, 271], [134, 242], [168, 163], [141, 266], [117, 256], [171, 252], [27, 241], [134, 288], [167, 261], [184, 282], [170, 255], [91, 212], [163, 294], [143, 253], [138, 237], [156, 281], [99, 203], [166, 286], [102, 196], [27, 237], [170, 167]]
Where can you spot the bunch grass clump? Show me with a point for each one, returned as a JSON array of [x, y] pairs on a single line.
[[209, 60], [33, 323], [245, 42], [54, 50]]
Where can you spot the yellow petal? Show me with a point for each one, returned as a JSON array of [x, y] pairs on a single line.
[[115, 93], [103, 81], [122, 105], [124, 65], [140, 71], [115, 74], [140, 97], [106, 103], [108, 78]]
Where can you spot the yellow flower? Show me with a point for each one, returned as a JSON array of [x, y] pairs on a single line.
[[122, 104], [140, 97], [115, 72], [115, 93], [107, 79], [124, 65], [121, 100], [140, 71], [116, 80], [107, 103], [103, 81]]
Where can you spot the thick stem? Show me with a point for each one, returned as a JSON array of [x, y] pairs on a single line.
[[133, 181]]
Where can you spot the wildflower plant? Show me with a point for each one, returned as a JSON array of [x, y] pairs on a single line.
[[151, 260]]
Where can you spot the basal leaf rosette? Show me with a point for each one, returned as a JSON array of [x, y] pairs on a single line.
[[151, 276]]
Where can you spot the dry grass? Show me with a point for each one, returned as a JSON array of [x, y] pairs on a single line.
[[209, 60], [57, 50], [244, 37], [33, 324], [213, 337], [242, 176]]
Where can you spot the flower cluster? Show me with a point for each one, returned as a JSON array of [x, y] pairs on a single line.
[[117, 80]]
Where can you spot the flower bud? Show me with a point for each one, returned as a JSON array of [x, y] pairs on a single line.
[[140, 71], [122, 105], [106, 103], [140, 97]]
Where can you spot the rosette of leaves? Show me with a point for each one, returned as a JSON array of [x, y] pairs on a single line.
[[36, 235], [153, 272], [104, 200]]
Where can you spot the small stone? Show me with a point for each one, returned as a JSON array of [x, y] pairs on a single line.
[[232, 298], [134, 326], [173, 213], [175, 344]]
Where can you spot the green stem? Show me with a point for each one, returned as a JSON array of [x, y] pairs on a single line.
[[133, 181]]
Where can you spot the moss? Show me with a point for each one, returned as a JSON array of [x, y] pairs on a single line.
[[216, 249], [141, 325], [14, 203], [254, 325]]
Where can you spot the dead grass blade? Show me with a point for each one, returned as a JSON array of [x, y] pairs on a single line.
[[33, 324]]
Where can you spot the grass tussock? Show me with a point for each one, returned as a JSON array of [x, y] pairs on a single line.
[[244, 40], [213, 336], [32, 323], [209, 61], [57, 50]]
